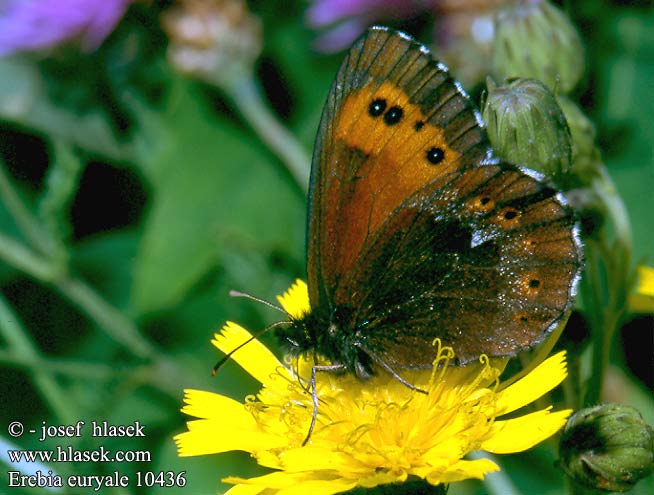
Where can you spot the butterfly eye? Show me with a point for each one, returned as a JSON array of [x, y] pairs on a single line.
[[393, 116], [435, 155], [377, 107]]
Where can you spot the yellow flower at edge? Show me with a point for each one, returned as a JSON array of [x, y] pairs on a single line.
[[368, 432], [642, 298]]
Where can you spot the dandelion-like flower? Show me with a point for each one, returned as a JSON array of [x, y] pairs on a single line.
[[368, 432]]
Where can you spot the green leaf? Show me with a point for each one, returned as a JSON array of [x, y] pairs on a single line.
[[214, 185], [625, 97], [106, 262]]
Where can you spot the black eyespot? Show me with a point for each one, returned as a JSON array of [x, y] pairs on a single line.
[[485, 200], [435, 155], [510, 215], [393, 116], [534, 284], [523, 318], [377, 107], [418, 125]]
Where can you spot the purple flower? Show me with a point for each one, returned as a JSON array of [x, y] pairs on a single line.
[[347, 19], [30, 25]]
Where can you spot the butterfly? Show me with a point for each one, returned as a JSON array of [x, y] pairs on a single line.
[[416, 231]]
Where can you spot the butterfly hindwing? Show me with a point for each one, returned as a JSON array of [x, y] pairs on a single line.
[[484, 275]]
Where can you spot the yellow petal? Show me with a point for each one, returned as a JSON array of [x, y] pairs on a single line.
[[541, 380], [645, 280], [201, 438], [309, 458], [295, 300], [463, 470], [314, 482], [444, 450], [642, 299], [276, 480], [245, 490], [516, 435], [317, 487], [205, 405], [253, 357], [224, 419]]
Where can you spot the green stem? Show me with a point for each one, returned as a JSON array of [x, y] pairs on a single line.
[[610, 279], [250, 103], [594, 301], [47, 270], [572, 385], [616, 209], [27, 224], [23, 348], [22, 258], [61, 186], [25, 101], [117, 326], [36, 363], [601, 349]]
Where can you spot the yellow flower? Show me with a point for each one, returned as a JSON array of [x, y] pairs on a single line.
[[368, 432], [642, 299]]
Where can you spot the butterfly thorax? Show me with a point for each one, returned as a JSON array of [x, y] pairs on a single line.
[[330, 335]]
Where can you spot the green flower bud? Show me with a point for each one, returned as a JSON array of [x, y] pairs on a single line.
[[537, 40], [586, 158], [527, 127], [607, 447]]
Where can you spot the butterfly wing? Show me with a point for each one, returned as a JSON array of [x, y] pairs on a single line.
[[486, 261], [415, 230], [363, 166]]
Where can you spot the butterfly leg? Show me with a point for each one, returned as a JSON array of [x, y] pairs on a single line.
[[314, 393], [385, 365]]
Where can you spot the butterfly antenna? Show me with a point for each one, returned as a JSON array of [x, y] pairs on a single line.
[[236, 293], [227, 356]]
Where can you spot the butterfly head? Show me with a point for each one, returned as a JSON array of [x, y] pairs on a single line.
[[329, 335]]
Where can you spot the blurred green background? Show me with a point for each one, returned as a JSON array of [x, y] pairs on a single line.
[[165, 199]]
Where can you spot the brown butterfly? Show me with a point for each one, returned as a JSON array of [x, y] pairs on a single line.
[[416, 231]]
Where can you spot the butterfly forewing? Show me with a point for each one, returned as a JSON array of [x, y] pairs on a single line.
[[365, 165], [415, 230]]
